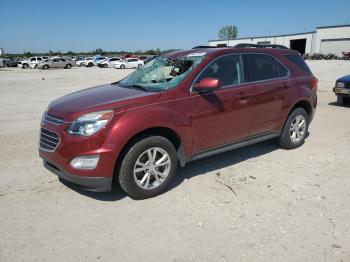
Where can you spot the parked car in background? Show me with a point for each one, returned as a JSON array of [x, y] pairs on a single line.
[[129, 63], [149, 59], [80, 61], [108, 62], [10, 62], [143, 57], [184, 106], [31, 62], [1, 62], [56, 63], [93, 61], [342, 90]]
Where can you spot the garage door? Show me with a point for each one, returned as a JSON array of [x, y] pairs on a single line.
[[335, 46]]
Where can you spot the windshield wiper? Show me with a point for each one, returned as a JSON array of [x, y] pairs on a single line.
[[136, 86]]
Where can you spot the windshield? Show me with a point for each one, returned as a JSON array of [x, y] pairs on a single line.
[[162, 73]]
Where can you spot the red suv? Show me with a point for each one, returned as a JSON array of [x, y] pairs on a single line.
[[180, 107]]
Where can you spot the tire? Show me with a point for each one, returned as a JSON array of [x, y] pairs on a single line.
[[139, 66], [45, 67], [36, 67], [68, 66], [340, 100], [80, 65], [294, 132], [153, 185], [90, 64], [105, 66], [25, 66], [122, 67]]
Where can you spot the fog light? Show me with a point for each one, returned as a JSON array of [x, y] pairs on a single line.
[[85, 162]]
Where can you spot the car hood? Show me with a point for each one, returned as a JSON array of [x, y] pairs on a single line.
[[104, 97], [344, 79]]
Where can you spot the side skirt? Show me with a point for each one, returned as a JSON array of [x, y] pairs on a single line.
[[238, 144]]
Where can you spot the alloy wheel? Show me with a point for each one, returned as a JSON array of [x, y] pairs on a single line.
[[152, 168]]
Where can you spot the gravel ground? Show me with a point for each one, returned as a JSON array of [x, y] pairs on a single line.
[[258, 203]]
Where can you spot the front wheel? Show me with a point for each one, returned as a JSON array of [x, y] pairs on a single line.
[[122, 66], [69, 66], [45, 67], [295, 129], [148, 167]]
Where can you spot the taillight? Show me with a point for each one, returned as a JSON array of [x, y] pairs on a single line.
[[314, 84]]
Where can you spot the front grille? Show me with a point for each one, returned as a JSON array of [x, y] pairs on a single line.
[[48, 140], [53, 119]]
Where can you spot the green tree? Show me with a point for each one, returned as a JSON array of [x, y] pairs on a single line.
[[98, 51], [228, 32]]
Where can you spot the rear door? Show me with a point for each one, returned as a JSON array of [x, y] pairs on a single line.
[[268, 79], [221, 116]]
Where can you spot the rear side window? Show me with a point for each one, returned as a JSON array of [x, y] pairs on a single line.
[[299, 62], [263, 67], [228, 69]]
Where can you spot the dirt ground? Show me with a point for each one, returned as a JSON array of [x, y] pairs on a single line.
[[283, 206]]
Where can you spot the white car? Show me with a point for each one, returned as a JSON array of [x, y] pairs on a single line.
[[93, 61], [109, 62], [31, 62], [80, 62], [1, 62], [129, 63]]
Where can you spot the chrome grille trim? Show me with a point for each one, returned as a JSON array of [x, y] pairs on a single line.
[[48, 140], [53, 119]]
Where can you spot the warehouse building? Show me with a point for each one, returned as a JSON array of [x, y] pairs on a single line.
[[326, 39]]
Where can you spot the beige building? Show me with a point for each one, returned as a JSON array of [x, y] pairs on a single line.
[[326, 39]]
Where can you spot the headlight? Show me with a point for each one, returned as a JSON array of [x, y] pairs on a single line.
[[89, 124], [340, 84]]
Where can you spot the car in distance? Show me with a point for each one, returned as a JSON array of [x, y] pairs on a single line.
[[93, 61], [180, 107], [31, 62], [108, 62], [342, 90], [10, 62], [80, 61], [128, 63], [56, 63]]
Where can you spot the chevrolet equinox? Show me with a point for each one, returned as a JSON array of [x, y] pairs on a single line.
[[179, 107]]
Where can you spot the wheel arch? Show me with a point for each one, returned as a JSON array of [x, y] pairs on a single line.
[[166, 132]]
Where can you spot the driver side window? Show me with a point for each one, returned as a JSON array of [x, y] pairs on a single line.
[[228, 69]]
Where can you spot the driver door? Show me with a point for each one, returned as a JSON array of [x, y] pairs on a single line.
[[221, 116]]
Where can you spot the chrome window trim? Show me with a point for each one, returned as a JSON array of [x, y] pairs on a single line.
[[245, 82]]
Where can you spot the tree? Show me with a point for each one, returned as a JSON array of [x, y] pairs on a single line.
[[228, 32], [98, 51]]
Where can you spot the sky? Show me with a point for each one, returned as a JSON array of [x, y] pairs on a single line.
[[131, 25]]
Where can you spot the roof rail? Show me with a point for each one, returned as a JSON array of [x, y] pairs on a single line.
[[205, 46], [243, 45]]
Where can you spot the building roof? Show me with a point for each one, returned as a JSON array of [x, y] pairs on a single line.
[[332, 26], [249, 37], [310, 32]]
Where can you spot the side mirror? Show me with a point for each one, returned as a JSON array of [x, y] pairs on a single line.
[[207, 84]]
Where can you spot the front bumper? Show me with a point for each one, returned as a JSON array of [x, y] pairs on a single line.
[[96, 184], [69, 147]]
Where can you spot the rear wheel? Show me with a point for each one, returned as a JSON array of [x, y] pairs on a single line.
[[25, 66], [148, 167], [122, 66], [105, 65], [45, 67], [68, 66], [295, 129], [90, 64]]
